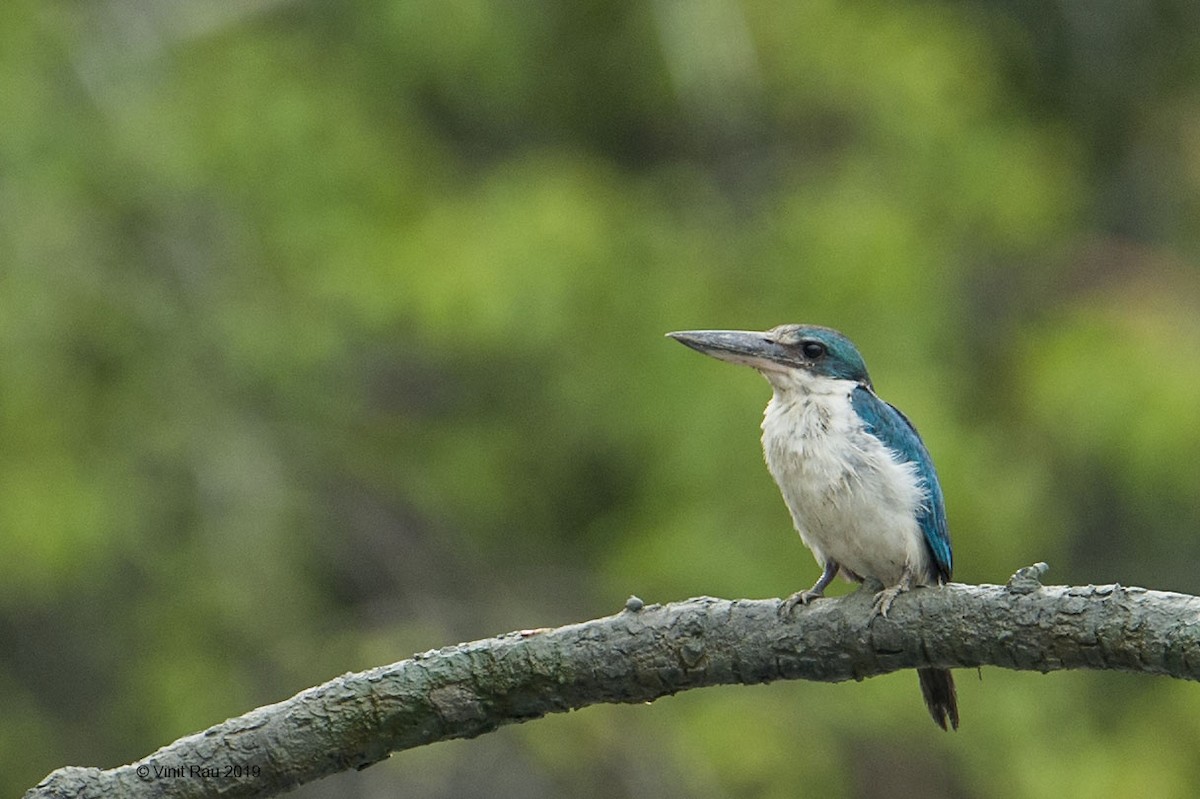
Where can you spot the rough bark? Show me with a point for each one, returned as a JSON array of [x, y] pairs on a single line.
[[645, 652]]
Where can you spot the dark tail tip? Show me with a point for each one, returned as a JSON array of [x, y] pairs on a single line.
[[937, 686]]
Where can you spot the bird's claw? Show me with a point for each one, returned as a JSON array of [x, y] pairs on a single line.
[[799, 598], [884, 599]]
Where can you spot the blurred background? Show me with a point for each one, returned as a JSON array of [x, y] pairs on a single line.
[[332, 332]]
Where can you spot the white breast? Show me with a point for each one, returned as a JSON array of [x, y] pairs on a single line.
[[850, 499]]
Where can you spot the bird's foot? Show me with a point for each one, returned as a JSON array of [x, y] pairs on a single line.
[[828, 572], [799, 598], [885, 598]]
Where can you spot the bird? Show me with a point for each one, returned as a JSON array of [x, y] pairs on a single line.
[[854, 473]]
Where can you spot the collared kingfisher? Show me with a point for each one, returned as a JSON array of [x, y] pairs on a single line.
[[853, 471]]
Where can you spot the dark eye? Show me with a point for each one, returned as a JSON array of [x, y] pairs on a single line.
[[812, 349]]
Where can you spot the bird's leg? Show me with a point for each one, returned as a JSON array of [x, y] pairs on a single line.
[[885, 598], [818, 590]]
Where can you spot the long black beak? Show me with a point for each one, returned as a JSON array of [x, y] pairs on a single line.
[[743, 347]]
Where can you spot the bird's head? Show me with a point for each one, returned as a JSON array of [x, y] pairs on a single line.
[[789, 356]]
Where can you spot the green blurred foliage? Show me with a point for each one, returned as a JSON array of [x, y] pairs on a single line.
[[330, 333]]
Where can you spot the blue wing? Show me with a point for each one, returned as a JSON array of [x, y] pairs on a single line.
[[892, 427]]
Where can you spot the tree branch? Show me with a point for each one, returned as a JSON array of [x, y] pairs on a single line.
[[643, 653]]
